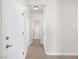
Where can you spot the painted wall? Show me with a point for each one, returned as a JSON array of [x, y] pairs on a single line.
[[0, 26], [61, 26]]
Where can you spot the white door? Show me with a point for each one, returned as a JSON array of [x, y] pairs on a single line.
[[12, 30], [36, 32]]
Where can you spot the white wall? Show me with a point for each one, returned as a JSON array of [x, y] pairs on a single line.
[[68, 18], [0, 26], [61, 17], [61, 26]]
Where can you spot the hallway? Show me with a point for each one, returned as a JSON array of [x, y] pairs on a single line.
[[36, 51], [38, 29]]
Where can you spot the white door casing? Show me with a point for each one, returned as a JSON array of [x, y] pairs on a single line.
[[44, 28]]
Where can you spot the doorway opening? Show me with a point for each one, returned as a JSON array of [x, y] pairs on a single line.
[[36, 23], [36, 31]]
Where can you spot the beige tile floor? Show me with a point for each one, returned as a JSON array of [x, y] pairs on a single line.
[[36, 51]]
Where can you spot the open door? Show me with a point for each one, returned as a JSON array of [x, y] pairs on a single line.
[[12, 30]]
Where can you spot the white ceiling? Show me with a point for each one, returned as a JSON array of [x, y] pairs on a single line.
[[36, 2], [39, 10], [32, 3]]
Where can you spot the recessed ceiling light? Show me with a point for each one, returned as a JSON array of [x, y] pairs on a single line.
[[35, 7]]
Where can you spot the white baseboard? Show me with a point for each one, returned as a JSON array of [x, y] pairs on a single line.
[[62, 54], [48, 53], [59, 53]]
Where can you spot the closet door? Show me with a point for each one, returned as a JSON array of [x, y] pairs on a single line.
[[12, 30]]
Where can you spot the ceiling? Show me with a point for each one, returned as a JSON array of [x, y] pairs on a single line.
[[39, 10], [36, 2]]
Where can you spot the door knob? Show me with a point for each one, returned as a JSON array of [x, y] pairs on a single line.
[[23, 14], [23, 33], [7, 46], [7, 37]]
